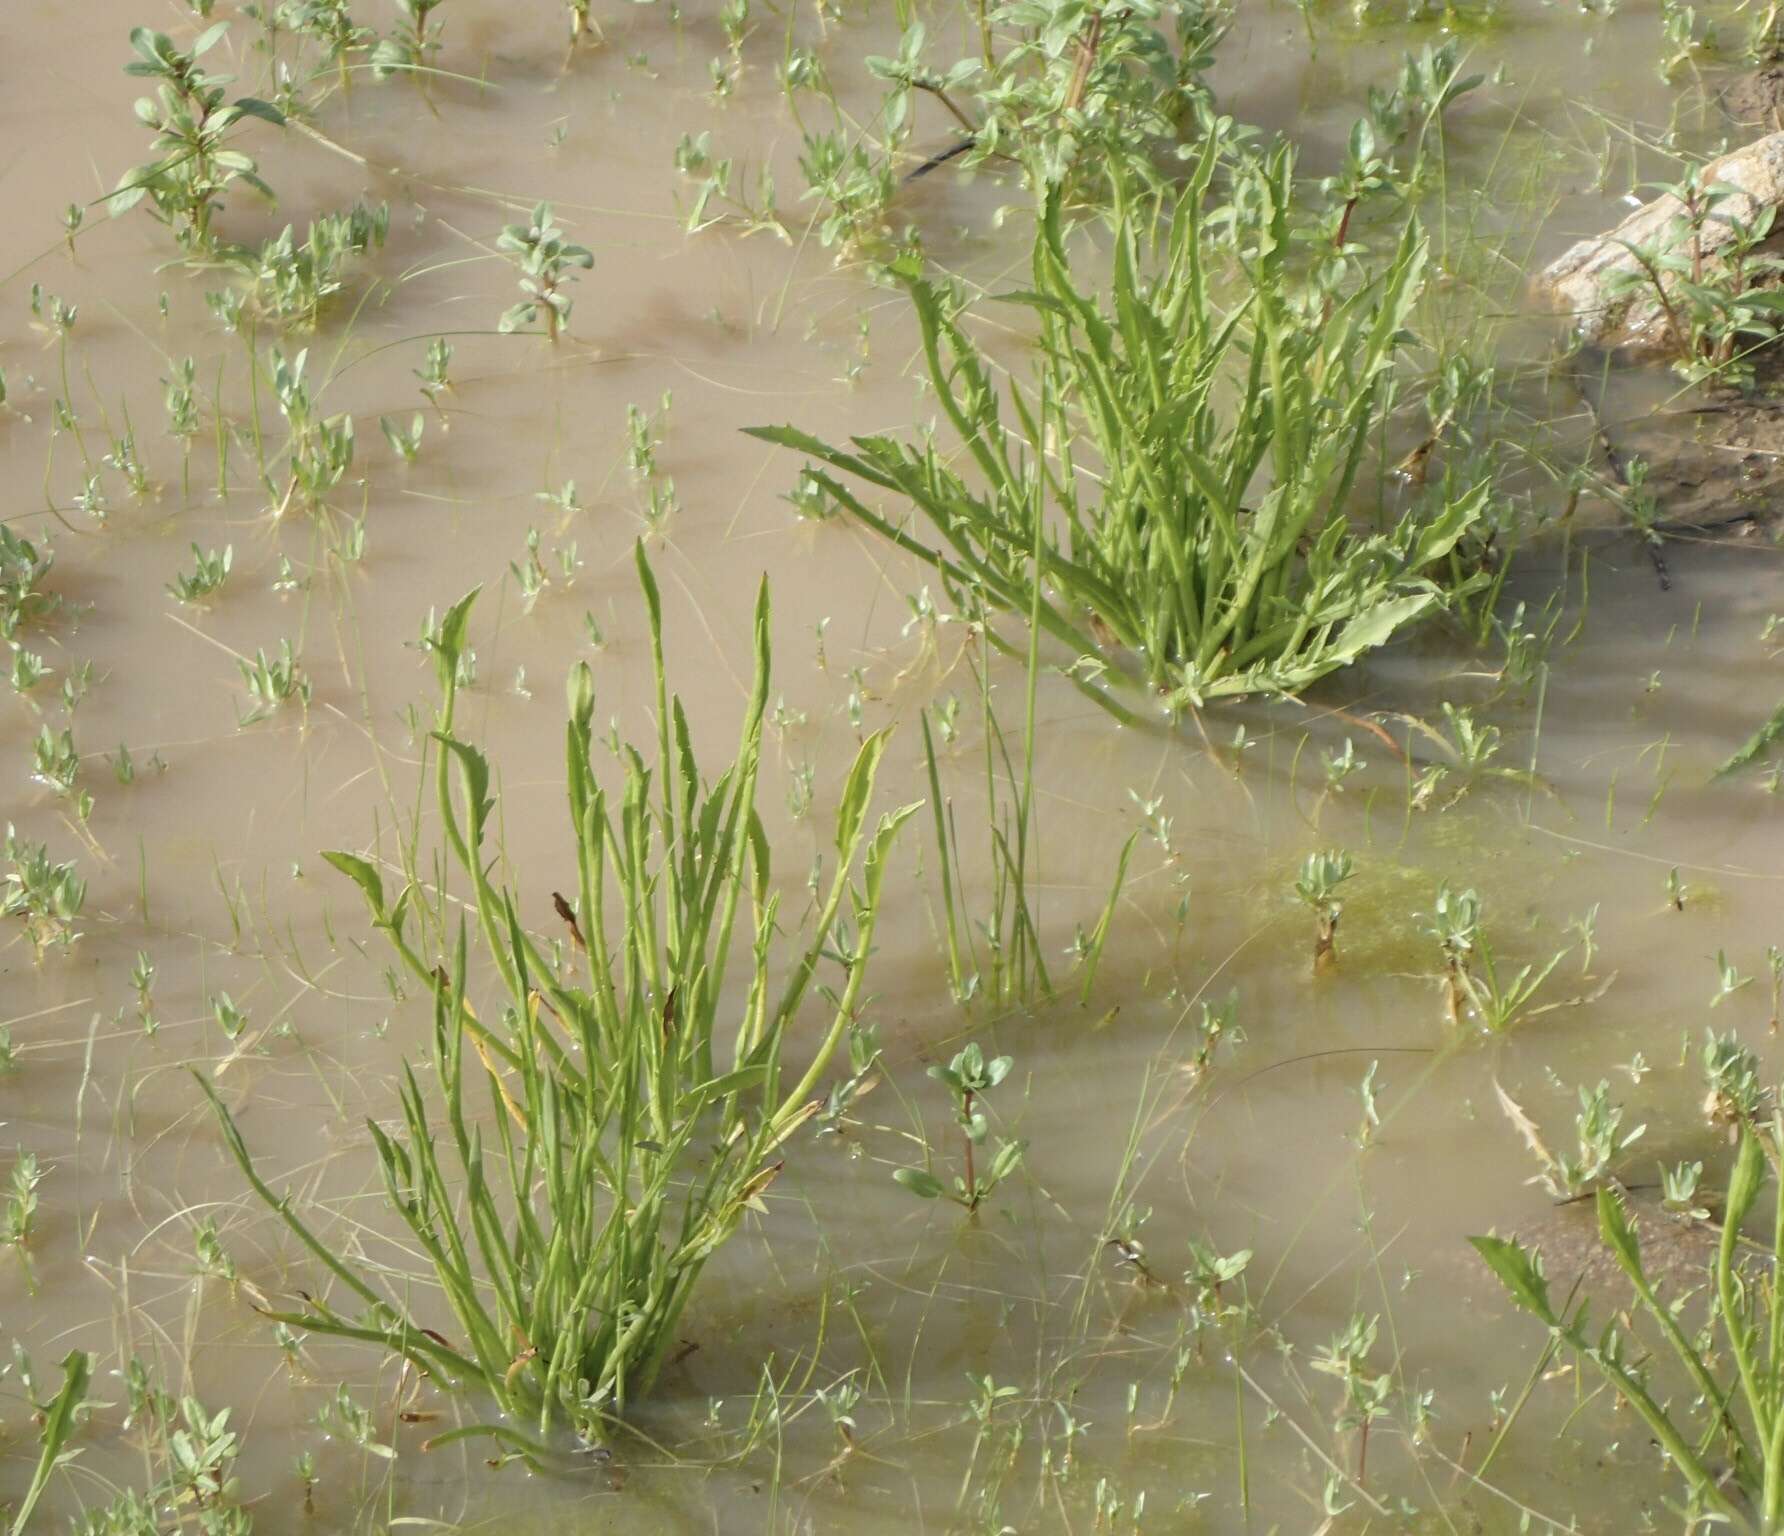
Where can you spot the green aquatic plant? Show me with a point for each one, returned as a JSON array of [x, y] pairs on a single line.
[[1317, 887], [1725, 1438], [209, 572], [272, 682], [1474, 974], [330, 25], [1215, 1023], [196, 158], [414, 42], [1599, 1139], [1729, 979], [1186, 469], [29, 670], [547, 262], [288, 283], [405, 442], [1364, 1396], [1734, 1092], [46, 895], [23, 598], [642, 1106], [968, 1078], [435, 375], [319, 448], [18, 1207], [56, 764]]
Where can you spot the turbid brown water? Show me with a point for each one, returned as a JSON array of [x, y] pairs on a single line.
[[211, 866]]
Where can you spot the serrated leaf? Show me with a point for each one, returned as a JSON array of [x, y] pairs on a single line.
[[1519, 1271]]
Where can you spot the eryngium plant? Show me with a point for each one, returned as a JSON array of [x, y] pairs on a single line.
[[1193, 460], [637, 1109]]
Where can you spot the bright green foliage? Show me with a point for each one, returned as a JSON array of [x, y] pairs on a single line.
[[48, 896], [1203, 455], [23, 599], [195, 158], [640, 1107]]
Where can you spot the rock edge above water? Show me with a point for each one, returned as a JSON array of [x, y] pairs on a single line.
[[1580, 281]]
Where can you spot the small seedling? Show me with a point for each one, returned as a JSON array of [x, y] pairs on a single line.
[[142, 981], [547, 262], [1365, 1397], [23, 600], [213, 1258], [1471, 968], [1218, 1022], [57, 766], [209, 572], [1728, 979], [530, 576], [47, 895], [1340, 766], [1321, 877], [230, 1019], [1210, 1273], [405, 442], [968, 1077], [1678, 1190], [1735, 1094], [272, 683], [434, 373], [28, 670], [18, 1211], [288, 283]]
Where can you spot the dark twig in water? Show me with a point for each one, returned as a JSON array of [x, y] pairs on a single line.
[[934, 161], [1650, 534]]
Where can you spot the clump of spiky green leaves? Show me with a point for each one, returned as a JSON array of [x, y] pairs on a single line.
[[642, 1102], [196, 158], [1186, 466]]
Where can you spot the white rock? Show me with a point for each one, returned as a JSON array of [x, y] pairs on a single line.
[[1577, 283]]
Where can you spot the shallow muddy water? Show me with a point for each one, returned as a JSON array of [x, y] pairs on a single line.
[[1351, 1139]]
